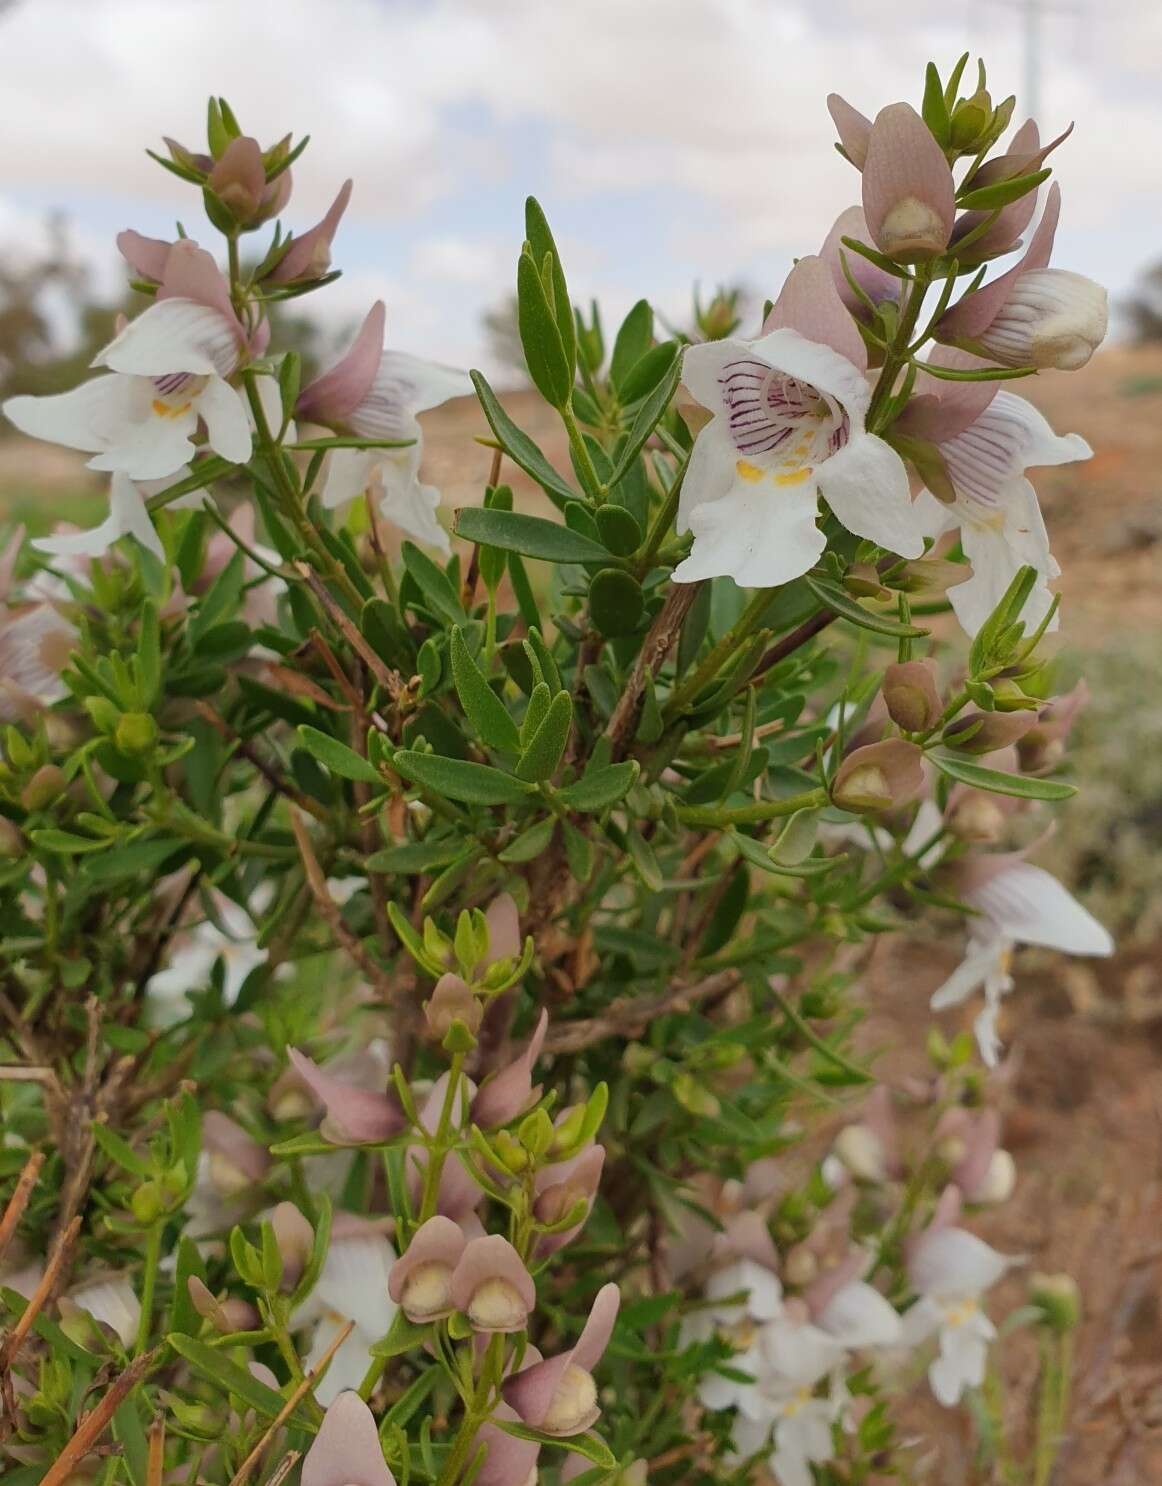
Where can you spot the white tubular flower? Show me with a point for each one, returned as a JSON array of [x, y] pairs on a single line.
[[376, 394], [236, 943], [951, 1269], [1053, 318], [35, 644], [128, 517], [1018, 903], [169, 368], [858, 1316], [352, 1287], [788, 426], [1001, 527], [797, 1356], [739, 1322], [113, 1302]]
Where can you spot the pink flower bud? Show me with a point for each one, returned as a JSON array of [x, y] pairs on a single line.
[[879, 776], [309, 256], [146, 256], [559, 1188], [353, 1116], [853, 128], [334, 395], [237, 1163], [504, 941], [238, 179], [509, 1093], [911, 695], [1043, 746], [451, 1001], [508, 1461], [908, 195], [421, 1279], [558, 1395], [295, 1239], [346, 1451], [985, 732], [492, 1286]]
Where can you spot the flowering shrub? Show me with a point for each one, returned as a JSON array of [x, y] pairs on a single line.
[[429, 982]]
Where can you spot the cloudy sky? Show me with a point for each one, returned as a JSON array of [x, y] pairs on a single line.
[[670, 141]]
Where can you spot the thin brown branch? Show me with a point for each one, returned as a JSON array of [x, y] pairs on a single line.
[[793, 640], [39, 1297], [392, 682], [317, 883], [245, 749], [155, 1465], [662, 635], [18, 1202], [291, 1404], [630, 1016], [97, 1420]]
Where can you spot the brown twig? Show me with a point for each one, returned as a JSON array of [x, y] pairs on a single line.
[[39, 1297], [471, 577], [97, 1420], [291, 1404], [247, 751], [630, 1016], [657, 645], [793, 640], [19, 1200], [392, 682], [155, 1465], [317, 883]]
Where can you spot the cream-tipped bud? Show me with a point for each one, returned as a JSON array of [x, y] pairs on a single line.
[[862, 1152], [574, 1405], [879, 776], [1053, 318], [497, 1306]]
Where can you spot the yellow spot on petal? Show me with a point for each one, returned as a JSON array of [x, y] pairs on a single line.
[[170, 410], [962, 1312], [794, 477], [749, 472]]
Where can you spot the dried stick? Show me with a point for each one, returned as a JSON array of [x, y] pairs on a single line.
[[96, 1421], [291, 1404], [629, 1017], [656, 646], [391, 681], [36, 1301], [19, 1200], [317, 883], [247, 751]]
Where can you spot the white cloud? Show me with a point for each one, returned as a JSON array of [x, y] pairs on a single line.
[[705, 118]]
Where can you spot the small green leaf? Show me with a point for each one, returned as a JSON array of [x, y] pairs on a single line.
[[531, 843], [934, 110], [641, 854], [416, 856], [483, 708], [543, 751], [532, 536], [540, 240], [1024, 786], [544, 349], [337, 756], [649, 415], [615, 602], [459, 779], [434, 584], [219, 1370], [645, 375], [64, 842], [519, 447], [1001, 193], [840, 602], [600, 788], [632, 342], [618, 529]]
